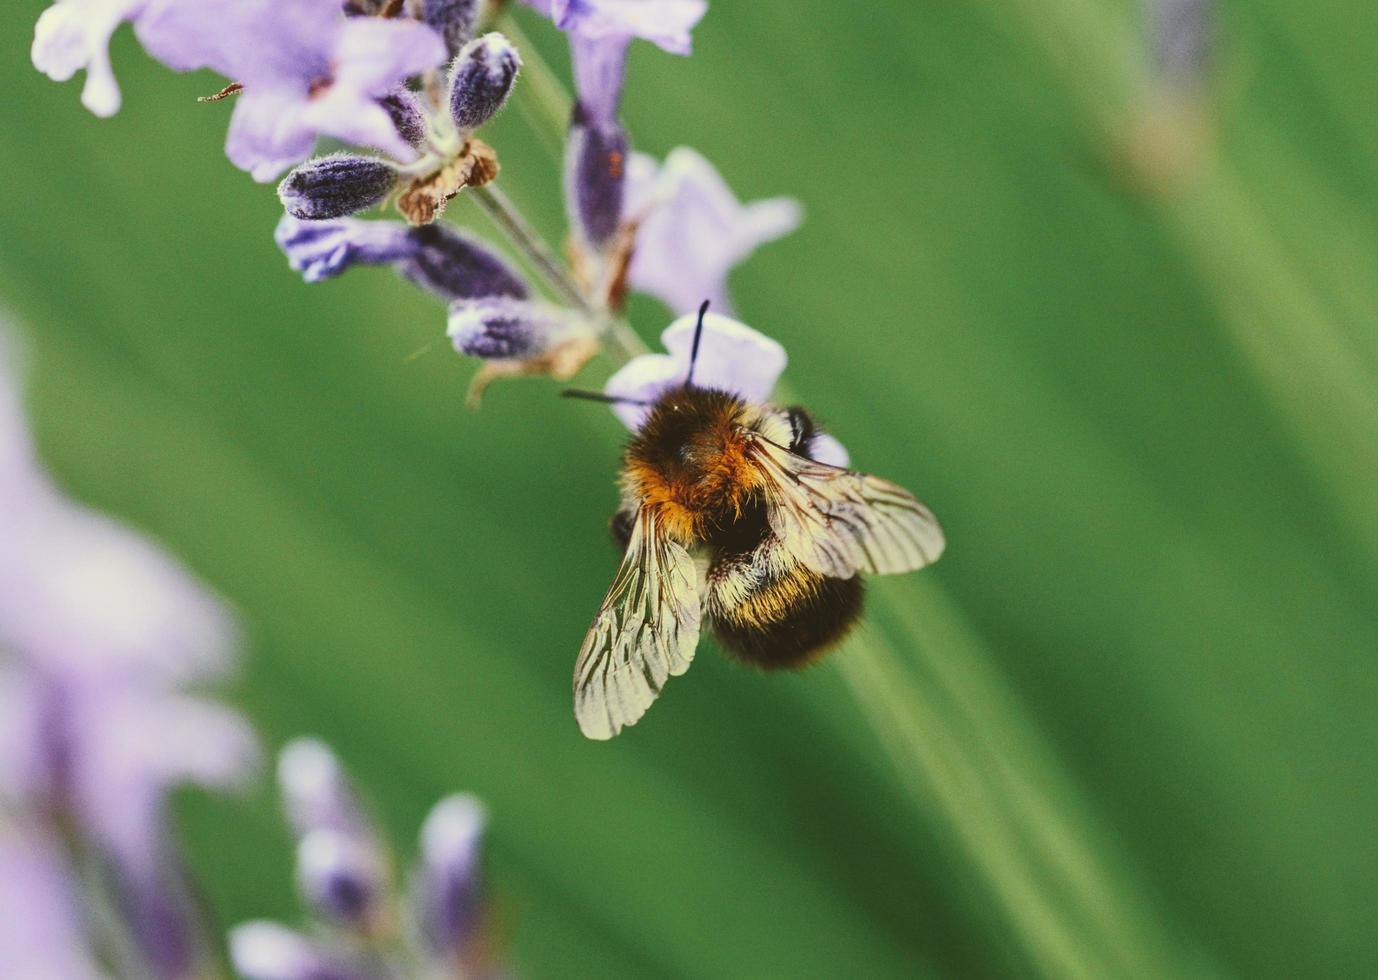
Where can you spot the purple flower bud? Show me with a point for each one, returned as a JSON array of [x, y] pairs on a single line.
[[450, 893], [264, 950], [595, 175], [453, 20], [504, 329], [407, 115], [316, 792], [335, 186], [454, 266], [158, 912], [341, 878], [481, 79], [1182, 38]]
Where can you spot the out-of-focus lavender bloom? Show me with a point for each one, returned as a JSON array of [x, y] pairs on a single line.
[[732, 357], [692, 230], [454, 20], [75, 34], [267, 951], [316, 791], [307, 71], [665, 23], [450, 891], [41, 934], [505, 329], [595, 177], [1182, 38], [436, 257], [482, 79], [335, 186], [342, 879]]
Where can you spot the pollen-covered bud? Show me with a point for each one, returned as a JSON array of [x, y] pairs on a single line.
[[450, 898], [595, 175], [335, 186], [481, 80], [316, 792], [504, 329], [453, 20], [263, 950], [342, 879], [408, 118]]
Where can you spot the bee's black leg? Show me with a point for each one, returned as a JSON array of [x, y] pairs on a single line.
[[802, 430]]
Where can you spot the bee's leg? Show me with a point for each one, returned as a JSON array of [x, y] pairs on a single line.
[[621, 527]]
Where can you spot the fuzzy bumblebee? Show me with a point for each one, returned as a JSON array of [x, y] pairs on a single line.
[[730, 522]]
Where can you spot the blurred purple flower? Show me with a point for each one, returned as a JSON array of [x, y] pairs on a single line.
[[75, 34], [41, 933], [267, 951], [435, 257], [449, 899], [503, 329], [692, 230], [732, 357], [316, 792], [307, 71]]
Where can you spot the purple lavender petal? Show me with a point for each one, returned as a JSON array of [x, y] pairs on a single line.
[[41, 935], [600, 64], [263, 950], [75, 34], [504, 329], [159, 915], [316, 791], [408, 118], [342, 879], [321, 250], [692, 231], [665, 23], [267, 133], [454, 266], [453, 20]]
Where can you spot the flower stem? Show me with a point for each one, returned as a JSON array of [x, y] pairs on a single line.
[[499, 207]]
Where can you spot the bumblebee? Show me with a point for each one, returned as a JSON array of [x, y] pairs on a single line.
[[729, 523]]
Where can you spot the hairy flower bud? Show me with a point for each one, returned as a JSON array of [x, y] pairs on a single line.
[[504, 329], [454, 266], [316, 792], [481, 80], [450, 899], [335, 186], [453, 20], [595, 175], [342, 879], [264, 950], [407, 115]]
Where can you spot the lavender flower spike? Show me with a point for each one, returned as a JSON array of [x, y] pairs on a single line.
[[307, 71], [481, 80], [335, 186], [75, 34], [450, 894], [436, 257], [692, 230]]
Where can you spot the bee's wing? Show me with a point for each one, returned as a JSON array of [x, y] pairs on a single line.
[[839, 522], [645, 631]]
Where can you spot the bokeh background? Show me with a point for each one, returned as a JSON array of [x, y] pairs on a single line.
[[1121, 338]]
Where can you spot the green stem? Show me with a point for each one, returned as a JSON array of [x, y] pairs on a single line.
[[499, 207]]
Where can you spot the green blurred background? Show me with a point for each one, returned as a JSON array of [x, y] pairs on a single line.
[[1141, 397]]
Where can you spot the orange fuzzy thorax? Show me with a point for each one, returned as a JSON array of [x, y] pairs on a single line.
[[689, 462]]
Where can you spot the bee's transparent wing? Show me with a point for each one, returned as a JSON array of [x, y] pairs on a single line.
[[645, 632], [839, 522]]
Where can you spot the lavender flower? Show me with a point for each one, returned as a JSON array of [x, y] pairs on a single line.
[[692, 230], [435, 257], [732, 357], [343, 878], [41, 935], [263, 950], [307, 71], [453, 20], [481, 80], [595, 175], [450, 893], [316, 792], [75, 34], [499, 328], [335, 186]]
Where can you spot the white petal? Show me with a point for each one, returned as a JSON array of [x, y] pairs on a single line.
[[732, 356], [828, 450], [643, 379]]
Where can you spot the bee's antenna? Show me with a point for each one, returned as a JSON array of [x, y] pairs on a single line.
[[694, 351], [598, 396]]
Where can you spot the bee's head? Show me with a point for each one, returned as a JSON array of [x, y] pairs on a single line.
[[687, 385]]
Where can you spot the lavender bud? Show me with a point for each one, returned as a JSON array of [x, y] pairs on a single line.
[[481, 80], [342, 879], [264, 950], [157, 912], [408, 118], [335, 186], [1182, 39], [450, 896], [316, 791], [503, 329], [453, 20], [455, 266], [595, 172]]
